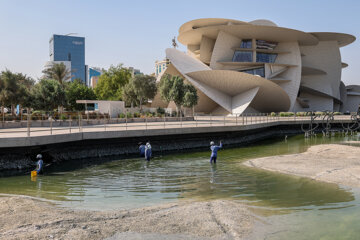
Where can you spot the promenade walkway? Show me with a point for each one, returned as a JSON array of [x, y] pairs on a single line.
[[14, 137]]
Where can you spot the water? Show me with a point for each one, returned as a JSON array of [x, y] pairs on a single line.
[[299, 204]]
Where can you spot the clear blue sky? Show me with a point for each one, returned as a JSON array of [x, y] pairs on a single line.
[[136, 33]]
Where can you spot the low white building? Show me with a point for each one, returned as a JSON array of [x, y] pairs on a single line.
[[113, 108]]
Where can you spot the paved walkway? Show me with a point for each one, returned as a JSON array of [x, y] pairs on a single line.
[[14, 137]]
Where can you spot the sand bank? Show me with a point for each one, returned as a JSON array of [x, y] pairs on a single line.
[[334, 163], [26, 218]]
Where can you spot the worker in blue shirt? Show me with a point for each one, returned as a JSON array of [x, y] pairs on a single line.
[[148, 151], [39, 164], [141, 149], [214, 149]]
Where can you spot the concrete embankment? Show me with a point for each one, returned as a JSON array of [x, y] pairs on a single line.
[[332, 163], [19, 153]]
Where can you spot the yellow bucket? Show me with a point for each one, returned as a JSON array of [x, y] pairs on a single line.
[[33, 173]]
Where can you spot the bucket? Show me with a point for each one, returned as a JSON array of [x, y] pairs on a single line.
[[33, 173]]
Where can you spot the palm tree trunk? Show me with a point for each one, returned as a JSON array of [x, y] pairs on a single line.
[[12, 109], [3, 113]]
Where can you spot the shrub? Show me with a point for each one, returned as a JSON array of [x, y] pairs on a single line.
[[160, 110], [137, 114], [301, 114], [319, 113], [63, 117], [286, 114], [337, 113], [122, 115], [273, 114], [129, 115]]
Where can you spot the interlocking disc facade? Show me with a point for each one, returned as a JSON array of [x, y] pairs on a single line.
[[251, 67]]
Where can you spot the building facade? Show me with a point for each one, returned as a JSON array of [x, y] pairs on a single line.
[[160, 66], [250, 67], [70, 49], [93, 76]]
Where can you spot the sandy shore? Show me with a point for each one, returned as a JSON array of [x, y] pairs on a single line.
[[27, 218], [334, 163]]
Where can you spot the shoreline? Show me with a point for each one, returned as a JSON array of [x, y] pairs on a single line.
[[332, 163], [29, 218]]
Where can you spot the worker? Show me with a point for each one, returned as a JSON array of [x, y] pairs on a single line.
[[214, 149], [141, 149], [148, 151], [39, 164]]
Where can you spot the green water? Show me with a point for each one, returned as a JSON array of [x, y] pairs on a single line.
[[306, 209]]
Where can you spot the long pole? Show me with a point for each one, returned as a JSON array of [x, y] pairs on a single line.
[[28, 122], [51, 125]]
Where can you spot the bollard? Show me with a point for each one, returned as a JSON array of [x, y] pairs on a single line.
[[164, 120], [210, 120], [180, 119], [28, 122], [126, 121], [196, 123], [146, 123], [70, 123], [236, 119], [79, 121], [50, 125]]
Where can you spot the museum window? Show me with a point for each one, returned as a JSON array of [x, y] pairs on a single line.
[[243, 56], [266, 57], [262, 44], [256, 71], [246, 43]]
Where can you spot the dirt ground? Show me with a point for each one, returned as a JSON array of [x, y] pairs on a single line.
[[28, 218], [334, 163]]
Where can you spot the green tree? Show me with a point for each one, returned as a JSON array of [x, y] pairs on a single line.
[[165, 86], [140, 89], [14, 89], [59, 72], [112, 82], [174, 89], [191, 98], [129, 95], [76, 90], [47, 95]]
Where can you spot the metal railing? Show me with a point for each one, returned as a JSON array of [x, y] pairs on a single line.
[[79, 125]]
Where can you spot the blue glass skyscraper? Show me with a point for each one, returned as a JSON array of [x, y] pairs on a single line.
[[69, 48]]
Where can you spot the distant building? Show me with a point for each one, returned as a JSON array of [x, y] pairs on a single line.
[[70, 49], [93, 76], [93, 81], [160, 66], [134, 71]]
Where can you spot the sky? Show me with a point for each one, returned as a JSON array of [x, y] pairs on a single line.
[[136, 33]]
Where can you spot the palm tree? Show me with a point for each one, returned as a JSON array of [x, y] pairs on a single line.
[[59, 72]]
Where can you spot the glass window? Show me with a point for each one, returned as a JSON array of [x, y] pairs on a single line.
[[262, 44], [246, 43], [243, 56], [256, 71], [266, 57]]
